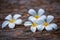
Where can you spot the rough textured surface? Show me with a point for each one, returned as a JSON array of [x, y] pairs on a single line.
[[52, 7]]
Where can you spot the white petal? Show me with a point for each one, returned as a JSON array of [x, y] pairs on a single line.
[[18, 21], [53, 25], [50, 18], [40, 27], [40, 22], [43, 17], [11, 25], [33, 29], [28, 23], [5, 24], [41, 12], [31, 18], [32, 12], [48, 28], [9, 17], [16, 16]]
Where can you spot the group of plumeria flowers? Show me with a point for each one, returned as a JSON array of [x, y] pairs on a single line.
[[36, 21]]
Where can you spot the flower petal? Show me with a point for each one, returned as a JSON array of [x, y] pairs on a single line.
[[43, 17], [48, 28], [16, 16], [31, 18], [5, 23], [40, 27], [11, 25], [18, 21], [39, 22], [9, 17], [41, 12], [32, 12], [28, 23], [54, 26], [33, 29], [50, 18]]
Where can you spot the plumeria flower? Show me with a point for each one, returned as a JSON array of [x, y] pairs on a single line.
[[11, 21], [34, 25], [36, 16], [47, 24]]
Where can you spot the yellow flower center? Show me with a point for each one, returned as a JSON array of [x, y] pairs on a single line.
[[34, 24], [37, 16], [46, 24], [12, 20]]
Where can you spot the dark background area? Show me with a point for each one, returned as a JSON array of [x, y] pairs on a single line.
[[20, 32]]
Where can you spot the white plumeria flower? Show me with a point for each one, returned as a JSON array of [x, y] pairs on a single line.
[[34, 25], [36, 16], [47, 24], [11, 21]]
